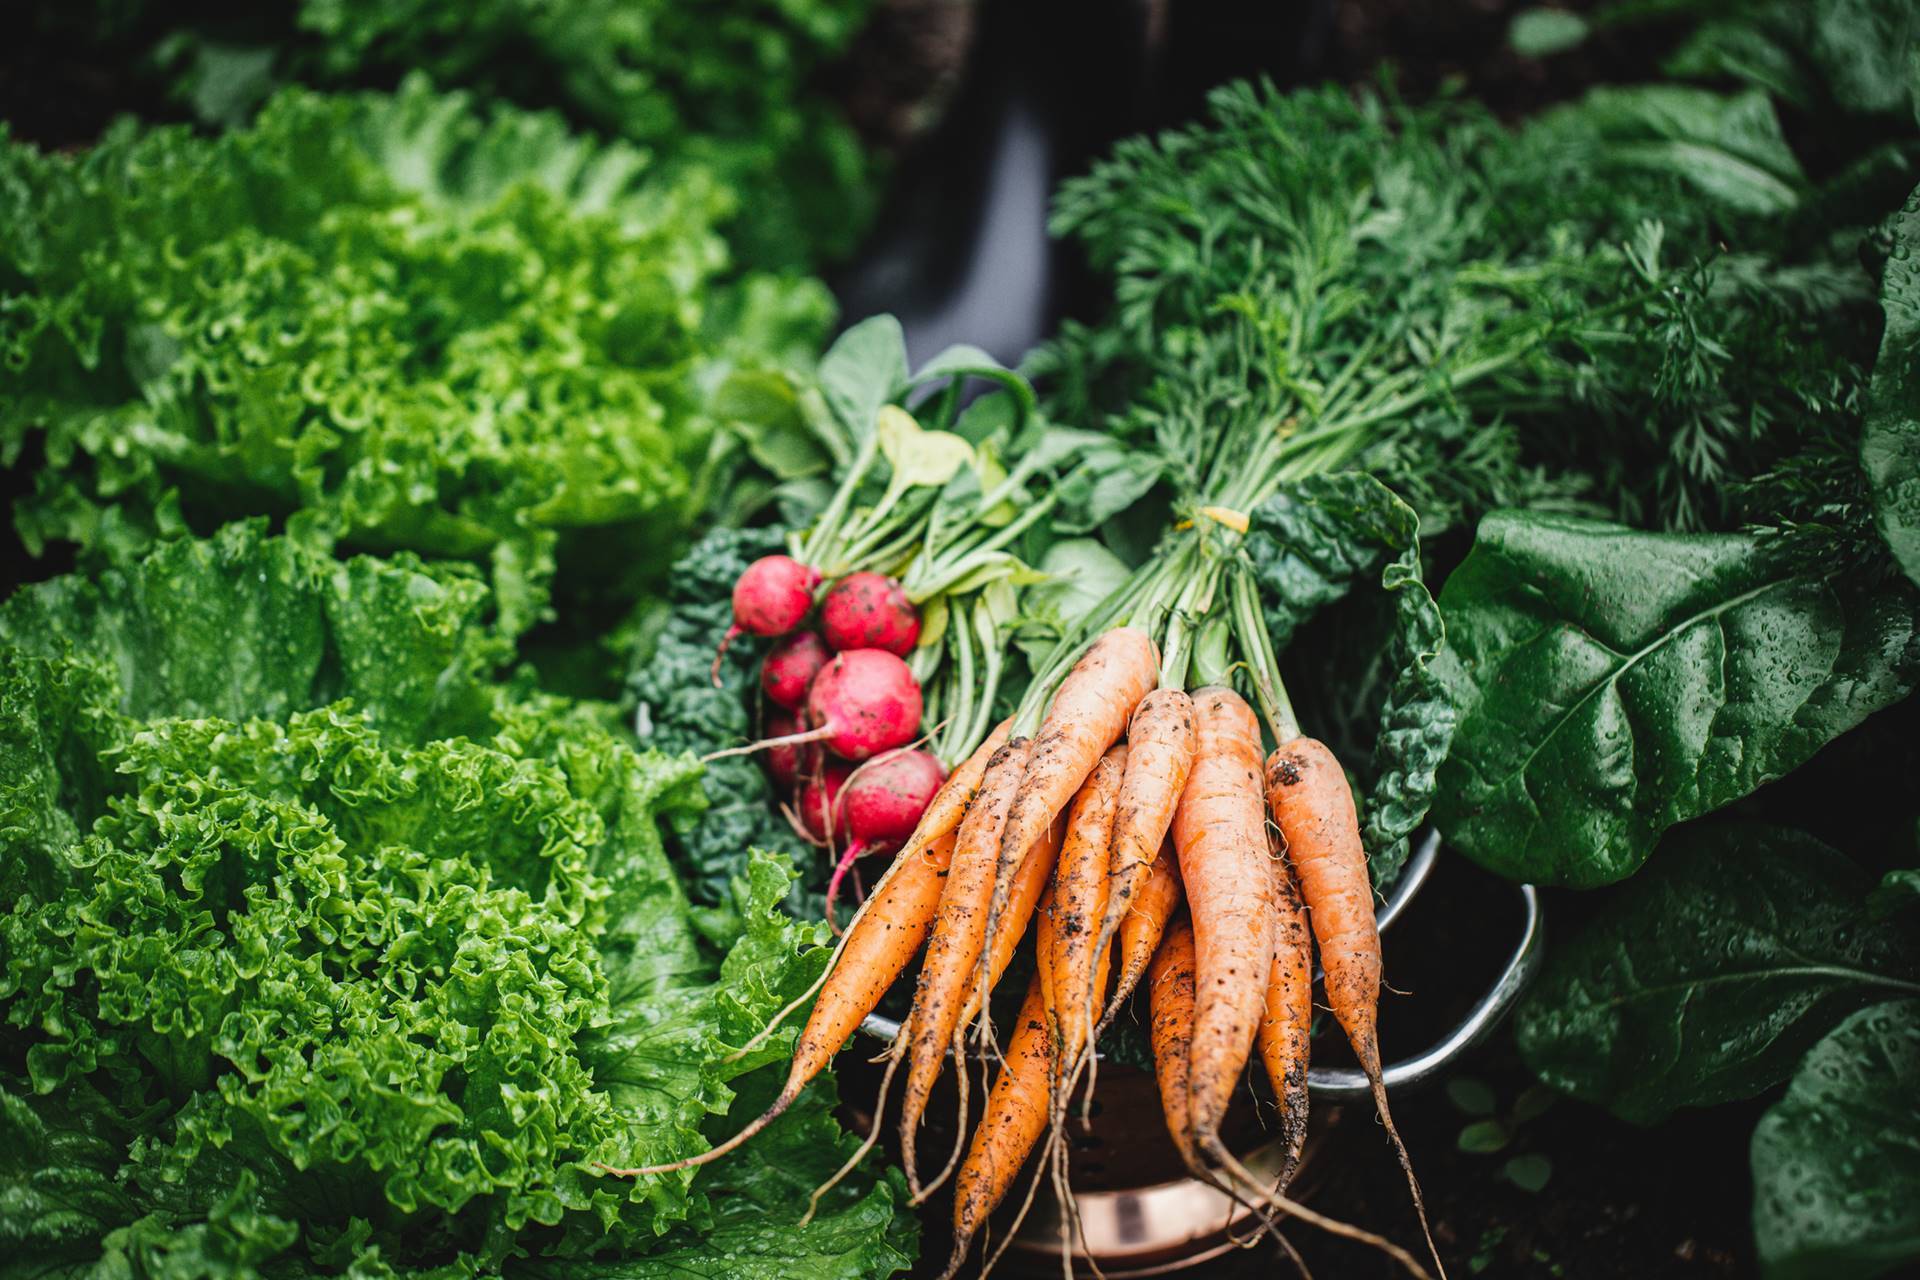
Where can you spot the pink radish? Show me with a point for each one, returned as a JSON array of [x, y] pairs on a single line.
[[787, 762], [770, 598], [820, 805], [863, 702], [870, 611], [880, 806], [790, 667]]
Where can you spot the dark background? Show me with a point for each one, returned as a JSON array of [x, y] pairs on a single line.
[[1038, 90]]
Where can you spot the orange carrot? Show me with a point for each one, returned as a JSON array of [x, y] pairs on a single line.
[[1015, 1116], [1161, 739], [1079, 902], [943, 814], [1088, 714], [1219, 832], [1029, 884], [958, 942], [1286, 1029], [1140, 930], [1313, 806], [889, 929], [1170, 991]]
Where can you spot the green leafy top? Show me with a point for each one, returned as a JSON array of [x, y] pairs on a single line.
[[398, 323], [1610, 305]]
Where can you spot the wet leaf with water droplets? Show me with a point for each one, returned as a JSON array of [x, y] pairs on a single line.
[[1705, 979], [1836, 1162]]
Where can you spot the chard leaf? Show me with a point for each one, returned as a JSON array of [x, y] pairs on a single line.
[[963, 362], [1890, 436], [1730, 148], [1897, 891], [1705, 979], [1613, 683], [1311, 544], [1836, 1171]]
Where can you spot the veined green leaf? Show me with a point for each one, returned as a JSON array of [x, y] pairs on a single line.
[[1836, 1171], [1706, 978], [1613, 683], [1890, 438], [919, 457]]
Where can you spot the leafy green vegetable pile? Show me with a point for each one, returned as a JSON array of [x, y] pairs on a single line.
[[728, 91], [328, 954], [390, 321], [1635, 341]]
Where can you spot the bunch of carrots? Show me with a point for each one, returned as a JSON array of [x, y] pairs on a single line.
[[1130, 819]]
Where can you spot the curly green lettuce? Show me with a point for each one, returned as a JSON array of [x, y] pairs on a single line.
[[310, 970], [388, 321]]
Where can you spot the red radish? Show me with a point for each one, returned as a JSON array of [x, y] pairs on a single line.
[[790, 667], [821, 801], [870, 611], [881, 805], [770, 598], [865, 701], [787, 762]]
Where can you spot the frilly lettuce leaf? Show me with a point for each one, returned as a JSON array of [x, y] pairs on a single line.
[[387, 319], [289, 989]]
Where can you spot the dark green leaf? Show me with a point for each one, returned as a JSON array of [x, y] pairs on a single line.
[[1529, 1173], [1706, 978], [1541, 33], [1613, 683], [1471, 1096], [1897, 891], [1836, 1164], [680, 710], [1313, 543], [1890, 438], [1484, 1137]]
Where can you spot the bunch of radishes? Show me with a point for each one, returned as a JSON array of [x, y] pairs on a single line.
[[845, 687]]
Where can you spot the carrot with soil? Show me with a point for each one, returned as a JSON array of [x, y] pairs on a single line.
[[1088, 714], [958, 944], [1161, 740], [1286, 1029], [1079, 902], [1219, 833], [1313, 806], [1141, 929], [1015, 1116], [1171, 997]]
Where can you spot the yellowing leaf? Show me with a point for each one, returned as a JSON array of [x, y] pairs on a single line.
[[918, 456]]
